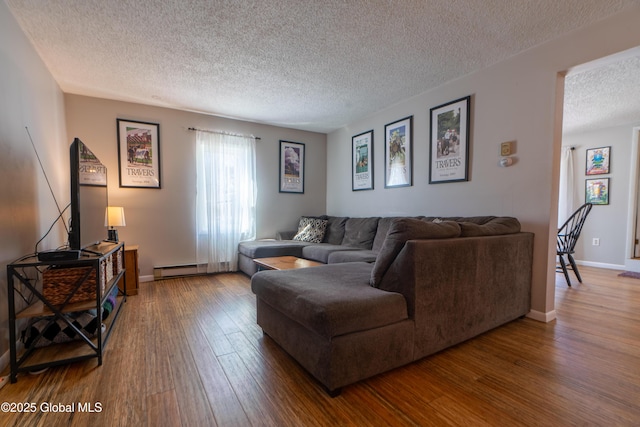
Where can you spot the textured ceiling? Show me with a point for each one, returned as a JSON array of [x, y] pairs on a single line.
[[605, 94], [312, 65]]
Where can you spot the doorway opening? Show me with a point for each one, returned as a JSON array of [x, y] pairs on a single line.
[[601, 104], [634, 204]]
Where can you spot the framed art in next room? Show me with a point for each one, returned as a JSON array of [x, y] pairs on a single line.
[[597, 191], [598, 161]]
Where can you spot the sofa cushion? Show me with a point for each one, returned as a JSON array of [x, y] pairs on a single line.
[[331, 300], [473, 219], [360, 232], [404, 229], [381, 232], [360, 255], [271, 248], [493, 227], [383, 228], [335, 230], [320, 251], [311, 230]]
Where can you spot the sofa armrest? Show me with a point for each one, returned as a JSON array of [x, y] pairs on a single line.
[[458, 288], [286, 235]]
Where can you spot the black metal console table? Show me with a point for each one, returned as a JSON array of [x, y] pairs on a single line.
[[25, 277]]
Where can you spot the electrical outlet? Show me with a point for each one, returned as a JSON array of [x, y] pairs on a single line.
[[596, 241]]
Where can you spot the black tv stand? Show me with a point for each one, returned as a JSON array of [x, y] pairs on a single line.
[[107, 271]]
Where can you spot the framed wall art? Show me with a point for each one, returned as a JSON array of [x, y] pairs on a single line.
[[398, 153], [362, 161], [291, 167], [449, 142], [597, 191], [598, 161], [139, 154]]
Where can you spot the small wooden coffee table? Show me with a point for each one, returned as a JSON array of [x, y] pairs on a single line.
[[284, 263]]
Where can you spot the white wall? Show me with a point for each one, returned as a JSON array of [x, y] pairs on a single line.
[[606, 222], [29, 98], [162, 221], [513, 100]]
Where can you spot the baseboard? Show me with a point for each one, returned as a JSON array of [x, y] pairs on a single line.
[[149, 278], [551, 315], [601, 265], [541, 316], [4, 360]]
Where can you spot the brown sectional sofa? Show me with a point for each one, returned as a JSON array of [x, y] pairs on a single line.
[[393, 295]]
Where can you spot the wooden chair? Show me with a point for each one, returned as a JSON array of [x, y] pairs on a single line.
[[567, 238]]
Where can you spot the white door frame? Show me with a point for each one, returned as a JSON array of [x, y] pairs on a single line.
[[630, 263]]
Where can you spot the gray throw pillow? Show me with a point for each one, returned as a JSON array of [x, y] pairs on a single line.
[[404, 229]]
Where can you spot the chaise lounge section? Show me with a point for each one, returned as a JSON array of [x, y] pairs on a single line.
[[432, 285]]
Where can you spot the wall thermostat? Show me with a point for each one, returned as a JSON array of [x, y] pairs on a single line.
[[506, 148]]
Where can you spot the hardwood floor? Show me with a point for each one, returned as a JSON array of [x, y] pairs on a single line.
[[188, 352]]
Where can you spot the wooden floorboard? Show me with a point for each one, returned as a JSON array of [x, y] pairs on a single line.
[[187, 352]]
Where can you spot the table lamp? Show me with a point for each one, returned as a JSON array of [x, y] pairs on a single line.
[[114, 217]]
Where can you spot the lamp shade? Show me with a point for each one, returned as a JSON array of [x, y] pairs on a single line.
[[114, 217]]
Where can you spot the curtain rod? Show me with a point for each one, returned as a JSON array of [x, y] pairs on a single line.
[[224, 133]]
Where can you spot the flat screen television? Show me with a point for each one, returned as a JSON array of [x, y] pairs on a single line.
[[89, 197]]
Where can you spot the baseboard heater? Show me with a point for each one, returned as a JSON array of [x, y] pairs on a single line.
[[170, 271]]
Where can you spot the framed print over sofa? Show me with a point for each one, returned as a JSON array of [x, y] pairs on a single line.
[[449, 142], [291, 167], [362, 161], [398, 153], [139, 154]]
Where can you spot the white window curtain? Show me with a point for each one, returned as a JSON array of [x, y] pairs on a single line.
[[567, 194], [225, 199]]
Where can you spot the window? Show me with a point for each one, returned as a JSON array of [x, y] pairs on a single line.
[[225, 199]]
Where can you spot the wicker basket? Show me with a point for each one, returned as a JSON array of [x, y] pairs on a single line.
[[58, 283], [109, 269], [118, 263]]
